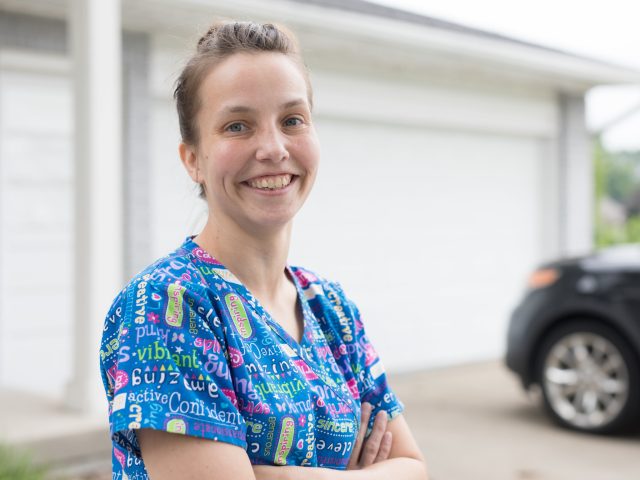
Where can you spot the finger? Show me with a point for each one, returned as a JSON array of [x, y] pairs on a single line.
[[385, 447], [372, 444], [365, 414]]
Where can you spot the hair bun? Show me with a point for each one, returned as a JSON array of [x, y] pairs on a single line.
[[207, 35]]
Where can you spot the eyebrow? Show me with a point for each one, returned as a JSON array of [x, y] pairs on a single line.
[[246, 109]]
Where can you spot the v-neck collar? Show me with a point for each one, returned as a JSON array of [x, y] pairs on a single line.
[[304, 349], [227, 275]]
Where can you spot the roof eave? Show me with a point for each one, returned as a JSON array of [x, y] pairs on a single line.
[[380, 35], [567, 70]]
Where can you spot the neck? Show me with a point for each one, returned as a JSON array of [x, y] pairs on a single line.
[[257, 258]]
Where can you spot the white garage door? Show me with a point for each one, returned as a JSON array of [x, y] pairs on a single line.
[[432, 232], [35, 231]]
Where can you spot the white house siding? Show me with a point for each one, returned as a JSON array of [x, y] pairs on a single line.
[[175, 210], [36, 225], [428, 208]]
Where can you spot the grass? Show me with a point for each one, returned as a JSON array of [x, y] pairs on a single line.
[[16, 465]]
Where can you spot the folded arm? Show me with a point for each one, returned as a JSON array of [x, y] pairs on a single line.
[[169, 456], [404, 461]]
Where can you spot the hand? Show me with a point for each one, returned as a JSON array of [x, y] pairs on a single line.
[[376, 446]]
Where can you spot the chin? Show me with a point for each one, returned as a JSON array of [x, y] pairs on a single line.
[[271, 221]]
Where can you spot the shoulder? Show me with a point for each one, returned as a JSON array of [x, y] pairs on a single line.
[[315, 285], [328, 299], [171, 277], [175, 267], [168, 297]]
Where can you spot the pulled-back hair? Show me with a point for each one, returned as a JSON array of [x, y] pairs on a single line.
[[222, 40]]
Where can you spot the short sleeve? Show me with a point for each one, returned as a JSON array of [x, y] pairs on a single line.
[[164, 365], [366, 365]]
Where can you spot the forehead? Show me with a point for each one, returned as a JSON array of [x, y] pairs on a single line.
[[253, 80]]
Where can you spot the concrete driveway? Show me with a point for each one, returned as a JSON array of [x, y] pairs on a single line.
[[474, 422]]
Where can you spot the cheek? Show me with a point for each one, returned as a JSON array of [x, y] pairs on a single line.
[[309, 153], [221, 162]]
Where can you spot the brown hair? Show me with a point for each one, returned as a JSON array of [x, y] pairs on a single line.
[[222, 40]]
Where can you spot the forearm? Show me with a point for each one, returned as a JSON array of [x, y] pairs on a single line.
[[400, 467]]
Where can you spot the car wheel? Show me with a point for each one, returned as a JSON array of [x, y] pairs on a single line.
[[590, 378]]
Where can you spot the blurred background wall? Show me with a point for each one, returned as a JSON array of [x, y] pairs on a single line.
[[454, 160]]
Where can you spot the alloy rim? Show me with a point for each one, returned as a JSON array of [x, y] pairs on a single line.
[[586, 380]]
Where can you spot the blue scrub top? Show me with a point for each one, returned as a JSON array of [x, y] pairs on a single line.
[[188, 349]]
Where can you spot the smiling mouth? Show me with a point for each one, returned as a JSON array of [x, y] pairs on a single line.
[[271, 182]]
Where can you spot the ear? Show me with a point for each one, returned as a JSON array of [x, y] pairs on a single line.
[[189, 158]]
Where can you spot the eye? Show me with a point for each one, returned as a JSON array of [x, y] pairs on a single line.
[[293, 122], [236, 127]]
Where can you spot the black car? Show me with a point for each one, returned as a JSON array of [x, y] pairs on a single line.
[[576, 335]]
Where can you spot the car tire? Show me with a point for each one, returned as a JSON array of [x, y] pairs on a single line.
[[589, 378]]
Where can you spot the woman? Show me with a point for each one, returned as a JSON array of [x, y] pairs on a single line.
[[220, 360]]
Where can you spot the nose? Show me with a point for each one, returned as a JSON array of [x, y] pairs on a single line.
[[272, 146]]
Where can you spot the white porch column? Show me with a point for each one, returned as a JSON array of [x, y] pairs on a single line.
[[95, 40], [576, 178]]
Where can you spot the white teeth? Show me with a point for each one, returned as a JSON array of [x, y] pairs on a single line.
[[272, 182]]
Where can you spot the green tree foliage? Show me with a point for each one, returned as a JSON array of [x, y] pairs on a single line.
[[617, 177], [620, 179], [633, 228]]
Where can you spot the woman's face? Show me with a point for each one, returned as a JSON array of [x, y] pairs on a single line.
[[258, 152]]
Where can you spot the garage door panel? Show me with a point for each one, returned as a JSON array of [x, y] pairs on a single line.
[[431, 231], [36, 222]]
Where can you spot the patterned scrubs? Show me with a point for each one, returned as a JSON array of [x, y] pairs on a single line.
[[188, 349]]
